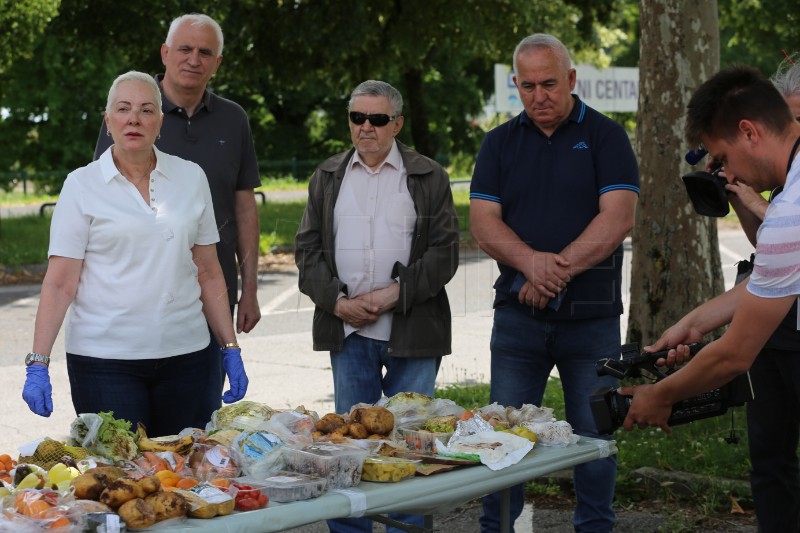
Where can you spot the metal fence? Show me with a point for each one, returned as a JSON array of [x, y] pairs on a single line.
[[27, 181]]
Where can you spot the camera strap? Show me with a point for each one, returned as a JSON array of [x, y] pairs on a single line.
[[791, 156]]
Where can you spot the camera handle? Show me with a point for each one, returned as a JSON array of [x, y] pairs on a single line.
[[636, 364]]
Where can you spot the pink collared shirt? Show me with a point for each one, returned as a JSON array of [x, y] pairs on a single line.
[[373, 225]]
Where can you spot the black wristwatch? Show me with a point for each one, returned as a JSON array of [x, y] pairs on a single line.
[[37, 358]]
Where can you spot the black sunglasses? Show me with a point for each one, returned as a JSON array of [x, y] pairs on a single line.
[[377, 120]]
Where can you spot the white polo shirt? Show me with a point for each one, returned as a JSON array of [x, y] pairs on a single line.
[[373, 223], [138, 295]]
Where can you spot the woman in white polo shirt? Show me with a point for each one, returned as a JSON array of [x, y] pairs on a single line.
[[132, 256]]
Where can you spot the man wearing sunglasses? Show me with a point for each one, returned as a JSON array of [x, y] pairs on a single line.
[[377, 243]]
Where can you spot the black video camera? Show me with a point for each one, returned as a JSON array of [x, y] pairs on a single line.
[[706, 189], [609, 408]]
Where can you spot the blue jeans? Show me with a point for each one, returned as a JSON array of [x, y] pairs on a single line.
[[524, 351], [773, 429], [358, 378], [159, 393]]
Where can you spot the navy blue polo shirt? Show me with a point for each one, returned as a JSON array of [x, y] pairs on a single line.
[[549, 190]]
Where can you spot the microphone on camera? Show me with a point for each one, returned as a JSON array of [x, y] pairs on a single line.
[[694, 156]]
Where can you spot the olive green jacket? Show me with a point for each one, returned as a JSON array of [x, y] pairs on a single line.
[[421, 322]]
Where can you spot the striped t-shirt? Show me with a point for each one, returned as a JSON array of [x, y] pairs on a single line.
[[777, 266]]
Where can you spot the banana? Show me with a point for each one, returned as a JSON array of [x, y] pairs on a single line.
[[170, 443]]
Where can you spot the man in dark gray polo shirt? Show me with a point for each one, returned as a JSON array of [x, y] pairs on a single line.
[[214, 133]]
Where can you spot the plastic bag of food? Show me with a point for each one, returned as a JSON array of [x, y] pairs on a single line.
[[528, 413], [37, 510], [102, 434], [212, 461], [244, 416], [553, 432], [408, 407], [495, 414], [292, 428], [258, 453], [495, 449]]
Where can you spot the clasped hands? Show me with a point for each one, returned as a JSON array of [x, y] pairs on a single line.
[[550, 274], [367, 308]]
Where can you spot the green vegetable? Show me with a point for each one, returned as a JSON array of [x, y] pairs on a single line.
[[405, 400], [225, 416], [441, 424], [104, 435]]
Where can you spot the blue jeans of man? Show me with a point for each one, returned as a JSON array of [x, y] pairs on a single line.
[[524, 351], [158, 393], [358, 377], [773, 429]]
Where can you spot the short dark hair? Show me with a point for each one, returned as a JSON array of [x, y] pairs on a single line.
[[729, 96]]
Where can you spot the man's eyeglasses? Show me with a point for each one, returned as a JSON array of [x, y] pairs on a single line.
[[377, 119]]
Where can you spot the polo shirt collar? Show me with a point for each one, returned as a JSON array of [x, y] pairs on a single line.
[[393, 159], [167, 106], [107, 167], [576, 115], [109, 171]]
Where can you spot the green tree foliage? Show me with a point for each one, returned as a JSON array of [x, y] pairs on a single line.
[[21, 22], [438, 54], [290, 63], [754, 32]]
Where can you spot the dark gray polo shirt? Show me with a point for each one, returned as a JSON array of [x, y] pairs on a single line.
[[218, 138]]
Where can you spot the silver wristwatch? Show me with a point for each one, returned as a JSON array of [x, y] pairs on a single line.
[[37, 358]]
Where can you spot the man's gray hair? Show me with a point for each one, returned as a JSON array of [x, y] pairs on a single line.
[[543, 40], [378, 88], [133, 75], [787, 77], [196, 19]]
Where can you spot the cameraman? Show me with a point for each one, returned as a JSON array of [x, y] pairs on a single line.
[[773, 416], [745, 124]]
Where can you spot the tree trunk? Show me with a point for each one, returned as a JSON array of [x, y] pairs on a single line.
[[675, 263], [418, 114]]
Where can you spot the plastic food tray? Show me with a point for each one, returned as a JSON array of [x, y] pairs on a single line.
[[340, 465], [420, 439], [388, 469], [284, 486]]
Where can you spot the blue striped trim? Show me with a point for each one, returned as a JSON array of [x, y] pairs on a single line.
[[479, 196], [619, 187], [773, 292], [788, 221], [583, 112]]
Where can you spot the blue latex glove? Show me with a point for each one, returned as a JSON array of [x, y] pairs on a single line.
[[37, 392], [234, 367]]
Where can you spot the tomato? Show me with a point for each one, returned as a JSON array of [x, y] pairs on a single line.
[[247, 504], [249, 498]]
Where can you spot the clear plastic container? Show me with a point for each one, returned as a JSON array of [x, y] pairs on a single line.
[[239, 492], [421, 439], [340, 465], [388, 469], [284, 486]]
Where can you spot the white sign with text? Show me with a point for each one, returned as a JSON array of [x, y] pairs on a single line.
[[610, 89]]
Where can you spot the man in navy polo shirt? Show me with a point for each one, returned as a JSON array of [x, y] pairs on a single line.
[[553, 196]]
